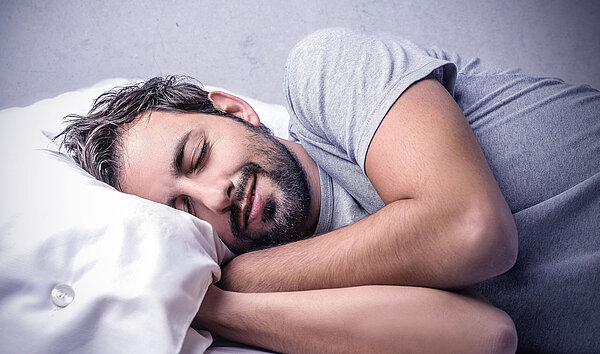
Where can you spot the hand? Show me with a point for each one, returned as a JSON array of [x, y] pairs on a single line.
[[214, 299]]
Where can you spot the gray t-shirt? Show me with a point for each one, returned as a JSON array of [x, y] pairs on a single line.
[[540, 136], [339, 86]]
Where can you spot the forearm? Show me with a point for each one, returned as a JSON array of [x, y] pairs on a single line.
[[361, 319], [402, 244], [445, 223]]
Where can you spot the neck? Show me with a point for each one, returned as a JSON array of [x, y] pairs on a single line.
[[314, 183]]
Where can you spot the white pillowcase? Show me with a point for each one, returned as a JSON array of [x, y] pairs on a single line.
[[138, 270]]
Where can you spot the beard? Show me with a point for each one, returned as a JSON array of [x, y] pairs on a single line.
[[287, 211]]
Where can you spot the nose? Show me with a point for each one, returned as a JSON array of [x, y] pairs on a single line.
[[214, 194]]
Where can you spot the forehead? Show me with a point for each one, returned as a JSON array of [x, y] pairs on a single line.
[[158, 123], [154, 133], [150, 128]]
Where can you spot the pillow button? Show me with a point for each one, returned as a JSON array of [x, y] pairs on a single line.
[[62, 295]]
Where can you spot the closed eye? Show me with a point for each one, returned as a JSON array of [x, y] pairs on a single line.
[[182, 203], [188, 206], [202, 157]]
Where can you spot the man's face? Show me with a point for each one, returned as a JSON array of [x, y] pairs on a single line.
[[241, 180]]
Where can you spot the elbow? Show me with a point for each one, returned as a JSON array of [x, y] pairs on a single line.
[[505, 240], [501, 336], [492, 241]]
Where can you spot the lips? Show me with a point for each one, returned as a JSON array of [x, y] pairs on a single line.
[[248, 202]]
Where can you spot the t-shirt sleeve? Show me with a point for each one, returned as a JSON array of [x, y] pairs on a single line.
[[339, 85]]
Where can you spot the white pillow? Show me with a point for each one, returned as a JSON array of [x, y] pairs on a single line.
[[137, 270]]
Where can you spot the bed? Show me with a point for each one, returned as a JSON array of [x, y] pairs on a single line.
[[86, 268]]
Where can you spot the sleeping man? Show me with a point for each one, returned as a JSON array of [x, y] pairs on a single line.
[[421, 177]]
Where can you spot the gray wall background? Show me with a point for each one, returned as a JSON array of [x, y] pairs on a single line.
[[49, 47]]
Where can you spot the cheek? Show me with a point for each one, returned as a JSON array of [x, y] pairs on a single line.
[[234, 244], [221, 226], [219, 222], [222, 230], [229, 156]]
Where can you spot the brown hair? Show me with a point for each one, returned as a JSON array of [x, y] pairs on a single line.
[[94, 140]]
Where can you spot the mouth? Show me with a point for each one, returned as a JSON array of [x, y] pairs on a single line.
[[249, 204]]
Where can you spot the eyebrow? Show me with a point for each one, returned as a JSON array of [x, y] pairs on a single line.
[[178, 154]]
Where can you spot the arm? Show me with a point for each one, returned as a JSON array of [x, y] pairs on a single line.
[[445, 223], [376, 319]]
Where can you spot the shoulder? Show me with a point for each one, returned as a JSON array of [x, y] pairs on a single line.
[[333, 44], [315, 54], [314, 77], [322, 39]]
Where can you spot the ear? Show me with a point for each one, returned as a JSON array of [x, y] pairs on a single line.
[[234, 105]]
